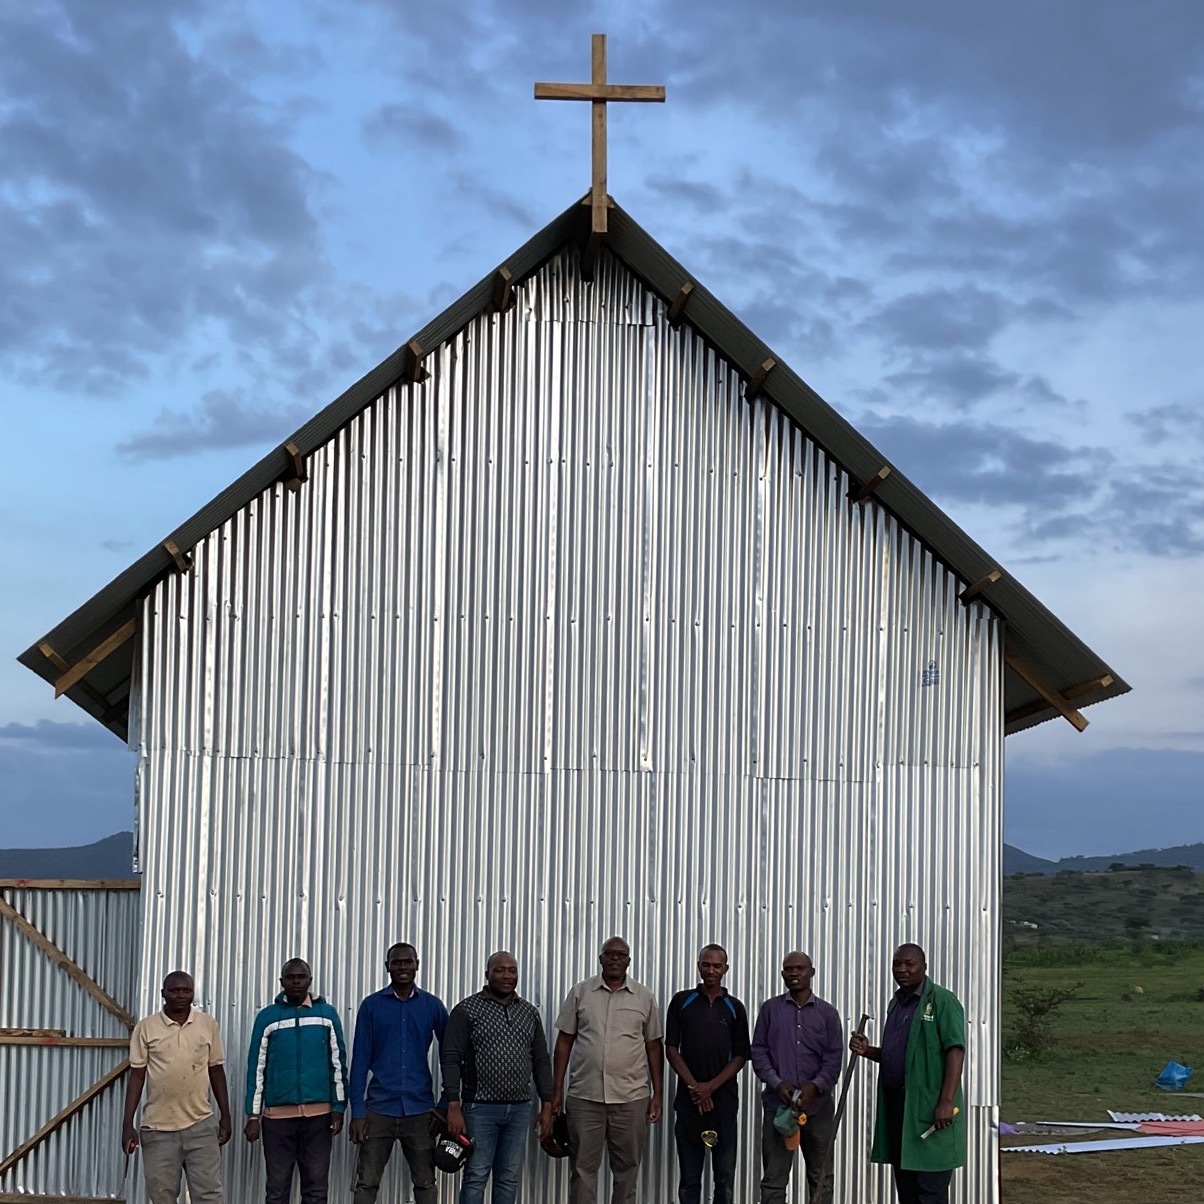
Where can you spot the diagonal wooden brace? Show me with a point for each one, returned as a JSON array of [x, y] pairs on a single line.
[[1051, 696], [83, 667]]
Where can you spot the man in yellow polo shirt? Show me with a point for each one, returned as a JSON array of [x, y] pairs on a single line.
[[176, 1054]]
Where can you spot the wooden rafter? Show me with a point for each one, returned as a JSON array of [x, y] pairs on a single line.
[[1051, 696], [503, 289], [1081, 690], [64, 963], [60, 1118], [756, 382], [412, 370], [972, 591], [297, 473], [859, 493], [677, 307], [105, 648], [181, 560]]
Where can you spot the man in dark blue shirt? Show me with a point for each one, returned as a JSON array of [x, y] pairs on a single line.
[[391, 1090], [707, 1044]]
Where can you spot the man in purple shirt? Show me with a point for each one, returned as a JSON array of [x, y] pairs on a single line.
[[797, 1047]]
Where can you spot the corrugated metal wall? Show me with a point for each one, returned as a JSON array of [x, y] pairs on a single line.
[[572, 640], [98, 930]]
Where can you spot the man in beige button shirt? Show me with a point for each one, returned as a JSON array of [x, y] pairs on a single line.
[[611, 1028], [177, 1055]]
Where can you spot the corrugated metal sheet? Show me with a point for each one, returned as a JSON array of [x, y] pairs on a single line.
[[99, 930], [572, 640]]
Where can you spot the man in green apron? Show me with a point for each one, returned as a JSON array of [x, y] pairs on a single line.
[[921, 1124]]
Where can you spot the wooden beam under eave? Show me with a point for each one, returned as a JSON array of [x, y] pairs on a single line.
[[59, 1119], [412, 371], [756, 382], [1051, 696], [105, 648], [503, 289], [677, 307], [1083, 688], [64, 963], [859, 493], [972, 591]]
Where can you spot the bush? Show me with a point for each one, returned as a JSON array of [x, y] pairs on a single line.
[[1035, 1007]]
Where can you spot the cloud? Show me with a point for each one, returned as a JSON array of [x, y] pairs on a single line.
[[116, 545], [1169, 423], [156, 193], [1103, 803], [404, 123], [63, 783], [222, 420]]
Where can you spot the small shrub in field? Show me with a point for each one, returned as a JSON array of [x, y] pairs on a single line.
[[1035, 1008]]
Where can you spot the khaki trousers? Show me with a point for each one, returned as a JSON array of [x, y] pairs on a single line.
[[193, 1152], [619, 1130]]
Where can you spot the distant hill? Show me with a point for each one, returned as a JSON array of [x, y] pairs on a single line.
[[1159, 903], [1016, 861], [112, 857]]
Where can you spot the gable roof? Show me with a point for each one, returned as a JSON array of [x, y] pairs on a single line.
[[1040, 649]]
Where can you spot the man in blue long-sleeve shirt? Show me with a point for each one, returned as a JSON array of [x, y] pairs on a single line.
[[797, 1047], [391, 1090]]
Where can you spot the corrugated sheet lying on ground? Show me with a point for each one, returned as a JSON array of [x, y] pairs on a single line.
[[535, 657], [99, 931]]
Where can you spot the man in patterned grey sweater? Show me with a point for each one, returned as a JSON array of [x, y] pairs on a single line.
[[493, 1048]]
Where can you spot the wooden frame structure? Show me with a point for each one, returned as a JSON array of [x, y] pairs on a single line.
[[60, 1037]]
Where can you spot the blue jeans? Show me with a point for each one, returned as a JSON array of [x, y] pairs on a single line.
[[499, 1145], [691, 1153]]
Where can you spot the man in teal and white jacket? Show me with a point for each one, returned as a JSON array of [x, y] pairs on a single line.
[[296, 1087]]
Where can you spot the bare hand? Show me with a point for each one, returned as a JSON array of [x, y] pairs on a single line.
[[129, 1139], [942, 1118], [557, 1102], [224, 1129], [786, 1092], [543, 1122], [336, 1123], [455, 1119], [810, 1093], [358, 1130], [251, 1129], [859, 1044], [654, 1110]]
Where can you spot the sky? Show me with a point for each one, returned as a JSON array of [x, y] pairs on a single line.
[[976, 230]]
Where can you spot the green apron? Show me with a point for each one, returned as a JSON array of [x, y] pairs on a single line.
[[939, 1024]]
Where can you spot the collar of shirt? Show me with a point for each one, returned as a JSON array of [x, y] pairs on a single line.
[[702, 992], [598, 983], [788, 998], [388, 992], [175, 1023], [488, 995], [902, 996]]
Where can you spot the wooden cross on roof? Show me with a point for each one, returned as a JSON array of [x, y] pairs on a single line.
[[599, 92]]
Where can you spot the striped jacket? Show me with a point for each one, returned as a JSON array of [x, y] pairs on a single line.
[[297, 1056]]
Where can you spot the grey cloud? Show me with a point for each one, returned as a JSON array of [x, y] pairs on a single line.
[[116, 545], [495, 202], [1172, 423], [223, 420], [393, 123], [154, 193], [1059, 493], [960, 381], [706, 198], [966, 318]]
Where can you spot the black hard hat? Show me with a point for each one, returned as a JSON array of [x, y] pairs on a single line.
[[556, 1144], [451, 1153]]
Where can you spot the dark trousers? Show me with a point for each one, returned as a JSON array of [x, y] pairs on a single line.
[[777, 1161], [912, 1187], [691, 1153], [302, 1142], [417, 1144]]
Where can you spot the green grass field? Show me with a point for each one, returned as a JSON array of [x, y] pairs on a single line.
[[1107, 1046]]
